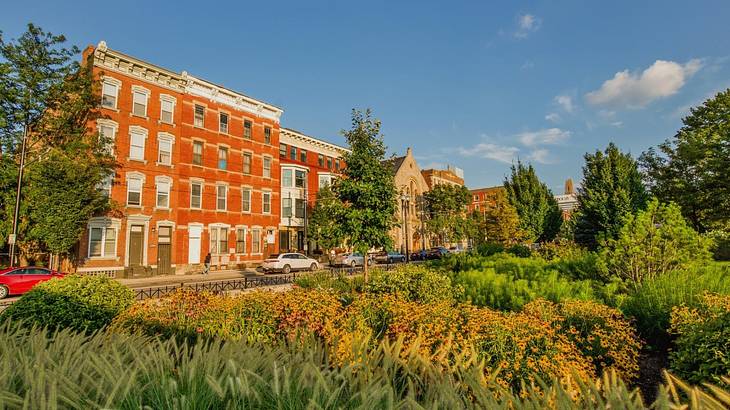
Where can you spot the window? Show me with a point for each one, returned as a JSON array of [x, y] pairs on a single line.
[[223, 123], [324, 180], [282, 150], [199, 116], [329, 163], [337, 164], [221, 197], [267, 135], [197, 152], [293, 154], [107, 133], [320, 160], [476, 198], [109, 92], [247, 157], [196, 195], [286, 211], [247, 128], [137, 139], [167, 107], [303, 156], [256, 241], [164, 150], [102, 242], [267, 167], [245, 199], [240, 240], [222, 158], [139, 103], [299, 178], [134, 190], [286, 178], [218, 240], [105, 185], [266, 202], [299, 208], [163, 193]]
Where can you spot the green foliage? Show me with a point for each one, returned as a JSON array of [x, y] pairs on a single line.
[[610, 191], [489, 249], [653, 243], [413, 283], [651, 304], [501, 221], [445, 216], [703, 340], [322, 224], [693, 167], [367, 188], [538, 210], [519, 250], [81, 303], [346, 287]]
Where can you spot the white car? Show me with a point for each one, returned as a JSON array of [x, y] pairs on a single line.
[[288, 262]]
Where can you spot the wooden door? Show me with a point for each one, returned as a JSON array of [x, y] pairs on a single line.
[[164, 250], [136, 245]]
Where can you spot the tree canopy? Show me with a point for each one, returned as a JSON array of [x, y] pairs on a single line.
[[446, 212], [323, 221], [540, 216]]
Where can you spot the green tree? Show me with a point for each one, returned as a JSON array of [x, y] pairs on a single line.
[[611, 189], [51, 99], [323, 223], [501, 222], [692, 168], [540, 216], [446, 212], [367, 189], [654, 242]]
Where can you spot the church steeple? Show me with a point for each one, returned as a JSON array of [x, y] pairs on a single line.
[[569, 186]]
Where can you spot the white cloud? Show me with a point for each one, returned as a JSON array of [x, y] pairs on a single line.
[[526, 24], [489, 150], [541, 156], [553, 117], [565, 102], [547, 136], [636, 90]]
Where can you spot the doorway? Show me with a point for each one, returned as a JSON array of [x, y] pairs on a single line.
[[136, 245], [194, 234], [164, 250]]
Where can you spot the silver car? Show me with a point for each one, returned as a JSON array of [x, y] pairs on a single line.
[[352, 260], [287, 262]]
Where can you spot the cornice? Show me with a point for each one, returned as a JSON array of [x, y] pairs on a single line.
[[289, 136]]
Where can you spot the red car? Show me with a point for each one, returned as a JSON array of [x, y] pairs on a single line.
[[16, 281]]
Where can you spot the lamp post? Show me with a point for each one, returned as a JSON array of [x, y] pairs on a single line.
[[405, 199], [12, 239]]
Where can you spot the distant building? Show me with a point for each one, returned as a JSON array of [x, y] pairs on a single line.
[[483, 198], [567, 202], [450, 176]]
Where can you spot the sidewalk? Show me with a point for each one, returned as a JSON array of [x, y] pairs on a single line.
[[167, 280]]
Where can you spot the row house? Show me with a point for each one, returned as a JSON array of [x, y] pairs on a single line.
[[198, 172], [307, 164], [484, 198]]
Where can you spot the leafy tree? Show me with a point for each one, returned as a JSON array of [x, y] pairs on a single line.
[[611, 189], [51, 99], [445, 210], [654, 242], [539, 214], [501, 222], [323, 221], [367, 189]]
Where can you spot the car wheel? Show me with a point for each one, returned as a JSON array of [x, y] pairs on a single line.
[[353, 264], [286, 269], [313, 267], [4, 291]]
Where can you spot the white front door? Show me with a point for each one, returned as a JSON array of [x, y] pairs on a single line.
[[194, 233]]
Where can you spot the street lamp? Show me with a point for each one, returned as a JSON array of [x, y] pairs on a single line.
[[405, 199]]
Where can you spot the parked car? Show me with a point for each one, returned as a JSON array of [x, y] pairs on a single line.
[[18, 280], [390, 257], [437, 252], [351, 259], [419, 255], [288, 262]]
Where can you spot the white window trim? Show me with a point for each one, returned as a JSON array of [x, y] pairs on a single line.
[[218, 185], [118, 84], [228, 122], [137, 220], [103, 223], [250, 154], [146, 92], [165, 137], [245, 239], [171, 99], [134, 175], [218, 225], [202, 188], [135, 129], [250, 198], [263, 167], [263, 192], [167, 180], [103, 122], [260, 230]]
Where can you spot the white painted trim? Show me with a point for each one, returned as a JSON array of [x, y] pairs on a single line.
[[138, 220]]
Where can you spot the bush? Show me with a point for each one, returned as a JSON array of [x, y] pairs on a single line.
[[703, 340], [489, 249], [413, 283], [581, 265], [346, 287], [651, 304], [82, 303], [521, 251], [601, 333]]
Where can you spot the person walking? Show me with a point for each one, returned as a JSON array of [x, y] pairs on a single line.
[[206, 269]]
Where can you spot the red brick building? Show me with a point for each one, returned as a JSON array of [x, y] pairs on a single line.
[[307, 164], [198, 172], [484, 198]]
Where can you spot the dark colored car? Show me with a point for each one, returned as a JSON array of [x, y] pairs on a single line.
[[419, 255], [18, 280], [390, 257], [437, 252]]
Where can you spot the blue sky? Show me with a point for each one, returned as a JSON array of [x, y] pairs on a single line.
[[474, 84]]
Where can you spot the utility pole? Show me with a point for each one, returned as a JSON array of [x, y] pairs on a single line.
[[406, 200], [14, 236], [306, 204], [422, 208]]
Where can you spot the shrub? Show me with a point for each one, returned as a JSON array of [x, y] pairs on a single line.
[[82, 303], [703, 339], [521, 251], [413, 283], [651, 304], [346, 287], [581, 265], [601, 333], [489, 249]]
